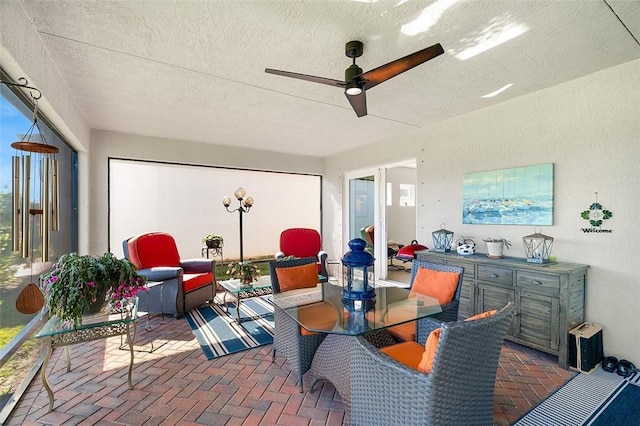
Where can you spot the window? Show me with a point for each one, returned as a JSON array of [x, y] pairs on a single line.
[[407, 194], [19, 348]]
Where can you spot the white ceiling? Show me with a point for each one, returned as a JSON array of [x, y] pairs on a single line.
[[194, 69]]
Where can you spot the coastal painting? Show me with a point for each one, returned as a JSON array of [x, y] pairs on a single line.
[[515, 196]]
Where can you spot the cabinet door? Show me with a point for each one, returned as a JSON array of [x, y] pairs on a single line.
[[492, 297], [465, 309], [467, 293], [537, 321]]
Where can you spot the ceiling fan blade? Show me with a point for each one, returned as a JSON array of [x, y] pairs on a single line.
[[358, 103], [392, 69], [312, 78]]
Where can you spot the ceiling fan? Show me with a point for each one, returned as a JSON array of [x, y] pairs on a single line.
[[356, 83]]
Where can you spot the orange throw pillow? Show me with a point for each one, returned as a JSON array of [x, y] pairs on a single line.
[[426, 364], [438, 284], [295, 277]]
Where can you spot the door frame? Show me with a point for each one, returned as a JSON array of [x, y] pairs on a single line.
[[379, 174]]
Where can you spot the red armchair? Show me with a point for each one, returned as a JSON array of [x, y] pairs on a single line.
[[186, 283], [303, 242]]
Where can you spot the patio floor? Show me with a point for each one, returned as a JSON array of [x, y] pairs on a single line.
[[177, 385]]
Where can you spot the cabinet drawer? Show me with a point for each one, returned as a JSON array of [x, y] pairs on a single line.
[[495, 274], [469, 268], [532, 281]]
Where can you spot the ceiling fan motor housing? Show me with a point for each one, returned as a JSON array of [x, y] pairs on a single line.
[[351, 73]]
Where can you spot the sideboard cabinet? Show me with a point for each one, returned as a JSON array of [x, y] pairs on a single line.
[[549, 297]]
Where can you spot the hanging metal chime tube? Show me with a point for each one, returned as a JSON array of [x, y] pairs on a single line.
[[16, 227], [26, 195], [45, 218], [55, 200]]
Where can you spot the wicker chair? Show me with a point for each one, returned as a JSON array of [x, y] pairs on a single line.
[[449, 311], [298, 349], [458, 391]]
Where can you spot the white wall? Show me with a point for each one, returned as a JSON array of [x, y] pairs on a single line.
[[589, 128], [106, 144], [186, 202]]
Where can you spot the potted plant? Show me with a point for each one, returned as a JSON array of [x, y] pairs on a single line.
[[495, 246], [84, 284], [246, 272], [213, 241]]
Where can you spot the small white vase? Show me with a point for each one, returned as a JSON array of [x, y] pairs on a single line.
[[495, 249]]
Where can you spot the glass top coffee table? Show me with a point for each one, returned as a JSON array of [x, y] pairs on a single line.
[[240, 292], [116, 322]]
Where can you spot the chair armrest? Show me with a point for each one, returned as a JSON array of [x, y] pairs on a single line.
[[195, 266], [160, 273], [322, 258]]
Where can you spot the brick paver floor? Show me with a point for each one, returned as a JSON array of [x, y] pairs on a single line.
[[176, 384]]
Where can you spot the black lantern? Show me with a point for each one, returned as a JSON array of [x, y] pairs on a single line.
[[442, 239], [358, 281], [537, 247]]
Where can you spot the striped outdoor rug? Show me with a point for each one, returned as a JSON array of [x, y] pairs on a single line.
[[595, 399], [218, 332]]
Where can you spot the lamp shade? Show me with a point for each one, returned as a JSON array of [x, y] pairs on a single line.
[[240, 193], [226, 201], [442, 239], [537, 247], [358, 282]]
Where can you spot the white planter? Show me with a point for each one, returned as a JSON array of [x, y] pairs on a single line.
[[495, 249]]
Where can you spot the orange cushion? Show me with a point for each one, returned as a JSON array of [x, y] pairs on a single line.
[[432, 343], [441, 285], [192, 282], [429, 352], [406, 331], [398, 312], [295, 277], [320, 316], [408, 353], [482, 315]]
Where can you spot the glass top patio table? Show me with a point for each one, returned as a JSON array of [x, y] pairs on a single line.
[[407, 306]]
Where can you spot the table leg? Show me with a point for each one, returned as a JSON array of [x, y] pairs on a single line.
[[68, 352], [238, 308], [43, 374], [131, 337]]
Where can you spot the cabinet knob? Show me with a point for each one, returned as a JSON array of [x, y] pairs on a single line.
[[495, 276], [536, 282]]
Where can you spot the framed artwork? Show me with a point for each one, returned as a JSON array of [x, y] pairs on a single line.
[[515, 196]]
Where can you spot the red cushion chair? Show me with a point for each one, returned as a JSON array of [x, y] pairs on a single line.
[[186, 283], [303, 242]]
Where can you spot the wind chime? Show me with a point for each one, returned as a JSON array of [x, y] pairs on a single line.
[[35, 192]]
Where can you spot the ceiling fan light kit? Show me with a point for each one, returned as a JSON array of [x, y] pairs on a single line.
[[353, 89], [356, 83]]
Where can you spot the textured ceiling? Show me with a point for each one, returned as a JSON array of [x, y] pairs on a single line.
[[194, 69]]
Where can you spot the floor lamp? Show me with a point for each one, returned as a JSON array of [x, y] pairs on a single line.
[[245, 206]]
